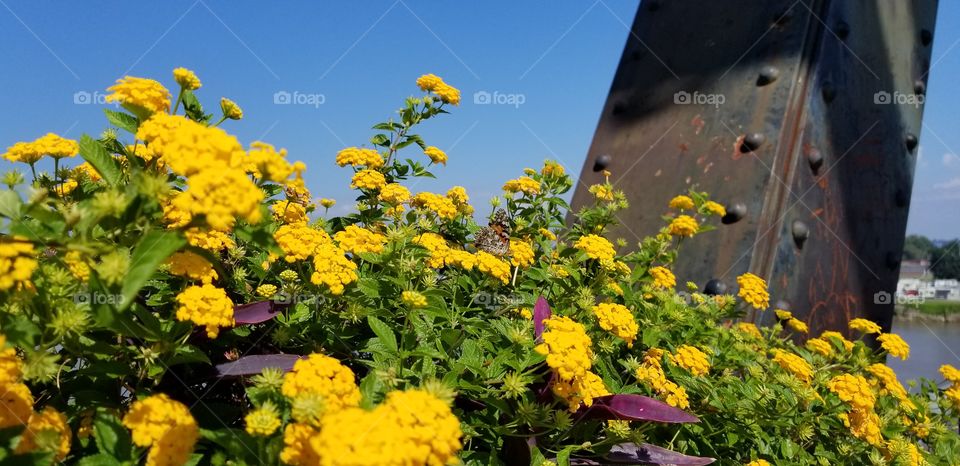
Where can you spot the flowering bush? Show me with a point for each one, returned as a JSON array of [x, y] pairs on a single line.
[[177, 298]]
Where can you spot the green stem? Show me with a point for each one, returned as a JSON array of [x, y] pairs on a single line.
[[176, 106], [222, 119]]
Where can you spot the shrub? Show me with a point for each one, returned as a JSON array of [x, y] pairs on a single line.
[[177, 298]]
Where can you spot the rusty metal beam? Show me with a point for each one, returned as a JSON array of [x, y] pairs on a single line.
[[777, 109]]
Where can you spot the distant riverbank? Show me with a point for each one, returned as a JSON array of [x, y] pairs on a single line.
[[933, 341]]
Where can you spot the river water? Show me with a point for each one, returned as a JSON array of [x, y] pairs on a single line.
[[931, 345]]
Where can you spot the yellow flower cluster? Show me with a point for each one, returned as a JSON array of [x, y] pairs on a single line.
[[753, 290], [230, 109], [832, 335], [864, 326], [207, 306], [819, 345], [950, 374], [758, 463], [141, 96], [521, 254], [567, 347], [783, 314], [192, 266], [749, 328], [436, 155], [188, 147], [602, 192], [650, 372], [186, 79], [663, 278], [715, 208], [684, 225], [433, 83], [266, 290], [165, 426], [580, 390], [903, 452], [325, 376], [17, 262], [681, 202], [332, 268], [798, 325], [440, 205], [50, 422], [524, 184], [692, 359], [492, 265], [368, 179], [394, 194], [75, 263], [360, 157], [861, 420], [265, 163], [413, 299], [357, 240], [221, 197], [289, 212], [458, 194], [436, 246], [617, 319], [793, 364], [596, 247], [262, 421], [887, 382], [48, 144], [299, 241], [894, 345], [552, 169]]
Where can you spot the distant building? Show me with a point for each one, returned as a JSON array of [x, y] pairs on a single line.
[[917, 269], [917, 283]]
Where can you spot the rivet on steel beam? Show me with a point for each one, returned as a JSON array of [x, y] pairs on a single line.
[[768, 74], [901, 198], [828, 92], [602, 162], [652, 5], [752, 142], [919, 87], [842, 29], [893, 260], [911, 141], [735, 213], [815, 159], [800, 232], [926, 37], [715, 287]]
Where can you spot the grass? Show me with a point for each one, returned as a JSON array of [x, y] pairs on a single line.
[[937, 307]]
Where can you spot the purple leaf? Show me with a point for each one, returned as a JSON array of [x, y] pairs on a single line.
[[252, 365], [541, 312], [644, 453], [254, 313], [635, 408]]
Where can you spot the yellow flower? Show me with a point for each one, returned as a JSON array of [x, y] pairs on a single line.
[[549, 235], [617, 319], [332, 268], [525, 313], [141, 96], [327, 203], [749, 328], [894, 345], [221, 196], [798, 325], [192, 266], [596, 247], [188, 147], [552, 169], [66, 187], [953, 394], [758, 463], [298, 241], [165, 426], [265, 163], [413, 299], [10, 364], [436, 155], [888, 382], [440, 205], [864, 326], [85, 170], [433, 83], [394, 194], [793, 364], [206, 306], [186, 79], [17, 262], [819, 345], [289, 212], [357, 240], [524, 184], [863, 424], [297, 450], [325, 376], [684, 225], [262, 421], [16, 405], [753, 290], [566, 346], [360, 157], [681, 202], [602, 192], [853, 390], [783, 314], [458, 194], [43, 427], [580, 391], [368, 179], [831, 335], [230, 109], [903, 452], [715, 208], [493, 266], [950, 373], [436, 246], [692, 359], [48, 144], [521, 254], [663, 278], [266, 290]]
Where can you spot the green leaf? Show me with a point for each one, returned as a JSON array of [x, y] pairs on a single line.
[[152, 250], [193, 109], [383, 332], [369, 287], [122, 120], [112, 438], [10, 204], [100, 459], [93, 152], [563, 457]]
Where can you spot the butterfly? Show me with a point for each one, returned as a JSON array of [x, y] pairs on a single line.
[[495, 238]]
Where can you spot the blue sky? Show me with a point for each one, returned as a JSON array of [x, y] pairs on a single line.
[[358, 60]]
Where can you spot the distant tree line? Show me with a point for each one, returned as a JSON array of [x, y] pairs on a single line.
[[944, 257]]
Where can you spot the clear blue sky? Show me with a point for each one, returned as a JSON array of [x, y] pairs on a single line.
[[363, 58]]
